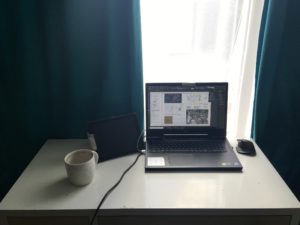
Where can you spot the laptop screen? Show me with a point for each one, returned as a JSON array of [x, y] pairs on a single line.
[[176, 108]]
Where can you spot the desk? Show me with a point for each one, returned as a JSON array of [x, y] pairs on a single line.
[[42, 195]]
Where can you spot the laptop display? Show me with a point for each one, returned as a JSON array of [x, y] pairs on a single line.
[[185, 123], [199, 109]]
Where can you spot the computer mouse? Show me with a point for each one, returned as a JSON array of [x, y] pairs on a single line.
[[245, 147]]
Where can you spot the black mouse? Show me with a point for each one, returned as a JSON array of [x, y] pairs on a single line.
[[245, 147]]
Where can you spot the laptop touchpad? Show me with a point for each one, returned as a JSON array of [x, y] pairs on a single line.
[[192, 159], [181, 159]]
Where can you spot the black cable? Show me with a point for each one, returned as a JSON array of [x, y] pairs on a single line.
[[118, 182], [113, 187]]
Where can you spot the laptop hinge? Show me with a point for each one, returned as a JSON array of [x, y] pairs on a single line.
[[185, 135]]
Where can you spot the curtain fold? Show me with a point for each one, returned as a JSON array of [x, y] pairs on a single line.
[[276, 121], [64, 63]]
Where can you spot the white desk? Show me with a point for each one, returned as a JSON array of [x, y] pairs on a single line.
[[43, 195]]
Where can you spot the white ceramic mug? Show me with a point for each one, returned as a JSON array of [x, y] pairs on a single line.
[[81, 166]]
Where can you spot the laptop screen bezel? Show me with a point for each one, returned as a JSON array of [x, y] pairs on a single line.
[[203, 132]]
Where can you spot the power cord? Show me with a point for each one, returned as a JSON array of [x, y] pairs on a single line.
[[120, 179], [138, 141]]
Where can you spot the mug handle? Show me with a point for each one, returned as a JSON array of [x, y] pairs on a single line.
[[96, 156]]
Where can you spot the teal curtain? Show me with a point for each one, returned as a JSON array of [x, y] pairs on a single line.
[[276, 120], [64, 63]]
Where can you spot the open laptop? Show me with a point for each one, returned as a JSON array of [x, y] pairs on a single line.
[[186, 127]]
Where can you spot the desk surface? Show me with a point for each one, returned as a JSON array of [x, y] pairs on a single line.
[[44, 186]]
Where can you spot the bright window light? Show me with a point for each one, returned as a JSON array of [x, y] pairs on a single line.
[[196, 41]]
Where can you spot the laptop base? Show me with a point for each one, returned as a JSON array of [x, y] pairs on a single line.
[[221, 161]]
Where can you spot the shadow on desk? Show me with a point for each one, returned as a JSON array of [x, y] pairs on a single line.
[[55, 190]]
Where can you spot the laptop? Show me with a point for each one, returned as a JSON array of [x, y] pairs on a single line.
[[186, 127]]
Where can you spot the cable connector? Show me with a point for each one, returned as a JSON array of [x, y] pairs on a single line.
[[143, 151]]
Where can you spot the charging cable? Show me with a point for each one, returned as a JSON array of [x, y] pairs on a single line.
[[120, 179]]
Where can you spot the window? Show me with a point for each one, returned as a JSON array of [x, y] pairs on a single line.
[[204, 41]]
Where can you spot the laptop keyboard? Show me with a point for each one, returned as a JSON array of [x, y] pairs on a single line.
[[187, 146]]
